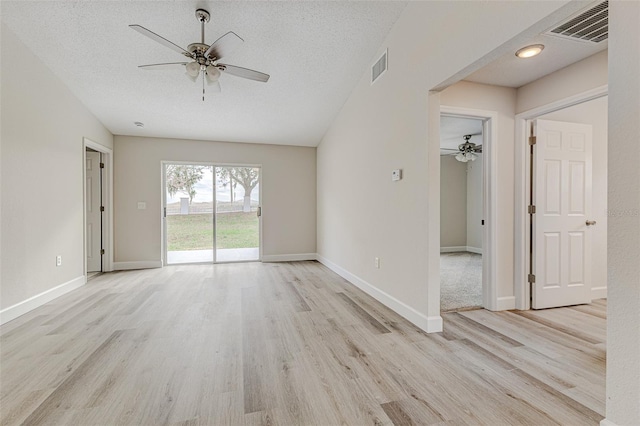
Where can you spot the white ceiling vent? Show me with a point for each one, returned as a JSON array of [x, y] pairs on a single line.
[[590, 26], [379, 67]]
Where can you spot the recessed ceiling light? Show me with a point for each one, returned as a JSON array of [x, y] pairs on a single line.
[[139, 124], [530, 51]]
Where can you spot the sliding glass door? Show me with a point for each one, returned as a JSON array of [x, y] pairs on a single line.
[[211, 213]]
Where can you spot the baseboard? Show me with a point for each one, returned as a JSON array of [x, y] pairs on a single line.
[[598, 293], [506, 303], [289, 257], [141, 264], [21, 308], [457, 249], [428, 324], [605, 422], [453, 249]]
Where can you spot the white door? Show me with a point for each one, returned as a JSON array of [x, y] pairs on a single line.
[[93, 204], [562, 196]]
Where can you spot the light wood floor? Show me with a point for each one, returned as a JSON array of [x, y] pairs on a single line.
[[285, 344]]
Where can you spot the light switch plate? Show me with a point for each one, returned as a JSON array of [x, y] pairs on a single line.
[[396, 174]]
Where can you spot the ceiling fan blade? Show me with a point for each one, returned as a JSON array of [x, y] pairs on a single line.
[[223, 46], [163, 41], [244, 73], [449, 149], [162, 66]]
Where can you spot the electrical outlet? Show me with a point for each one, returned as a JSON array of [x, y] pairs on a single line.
[[377, 262], [58, 260]]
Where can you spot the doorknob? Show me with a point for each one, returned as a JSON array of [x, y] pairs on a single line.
[[590, 222]]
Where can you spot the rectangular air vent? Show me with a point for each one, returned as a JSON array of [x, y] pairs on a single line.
[[379, 67], [590, 26]]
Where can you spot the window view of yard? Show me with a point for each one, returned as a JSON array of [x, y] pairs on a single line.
[[195, 231], [190, 212]]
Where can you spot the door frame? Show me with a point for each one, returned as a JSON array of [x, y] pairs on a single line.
[[522, 289], [107, 200], [163, 236], [489, 188]]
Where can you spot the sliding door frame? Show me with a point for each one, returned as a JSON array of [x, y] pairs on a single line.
[[163, 171]]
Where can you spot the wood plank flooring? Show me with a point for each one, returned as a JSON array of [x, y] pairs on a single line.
[[289, 344]]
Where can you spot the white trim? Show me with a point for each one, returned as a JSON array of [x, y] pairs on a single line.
[[289, 257], [453, 249], [141, 264], [598, 293], [521, 163], [490, 195], [107, 193], [605, 422], [506, 303], [457, 249], [431, 324], [21, 308]]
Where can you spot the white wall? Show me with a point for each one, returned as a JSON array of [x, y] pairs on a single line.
[[623, 313], [474, 204], [288, 192], [385, 126], [502, 100], [453, 202], [594, 113], [43, 125]]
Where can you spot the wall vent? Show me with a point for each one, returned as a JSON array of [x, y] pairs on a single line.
[[379, 67], [590, 26]]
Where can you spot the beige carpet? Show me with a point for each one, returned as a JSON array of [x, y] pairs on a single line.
[[460, 280]]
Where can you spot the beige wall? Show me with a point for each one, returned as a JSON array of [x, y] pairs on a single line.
[[288, 192], [385, 126], [574, 79], [453, 202], [43, 125], [474, 204], [594, 113], [623, 312]]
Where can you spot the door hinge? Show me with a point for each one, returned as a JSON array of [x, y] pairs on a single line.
[[482, 222], [531, 209], [101, 208], [532, 140], [531, 279], [102, 165], [101, 251]]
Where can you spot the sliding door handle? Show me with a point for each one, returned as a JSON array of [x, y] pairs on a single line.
[[259, 212]]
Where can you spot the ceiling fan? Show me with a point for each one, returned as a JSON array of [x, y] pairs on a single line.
[[203, 58], [467, 151]]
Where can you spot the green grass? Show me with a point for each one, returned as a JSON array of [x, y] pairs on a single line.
[[195, 231]]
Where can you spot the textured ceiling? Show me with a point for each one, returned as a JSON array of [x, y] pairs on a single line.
[[315, 53], [452, 130]]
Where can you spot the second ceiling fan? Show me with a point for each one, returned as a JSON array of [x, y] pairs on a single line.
[[204, 58], [467, 151]]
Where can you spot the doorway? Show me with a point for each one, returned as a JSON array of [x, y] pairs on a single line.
[[93, 210], [461, 213], [212, 213], [98, 208], [561, 247]]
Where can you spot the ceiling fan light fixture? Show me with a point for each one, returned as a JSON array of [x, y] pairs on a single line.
[[461, 157], [193, 69], [530, 51], [213, 74]]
